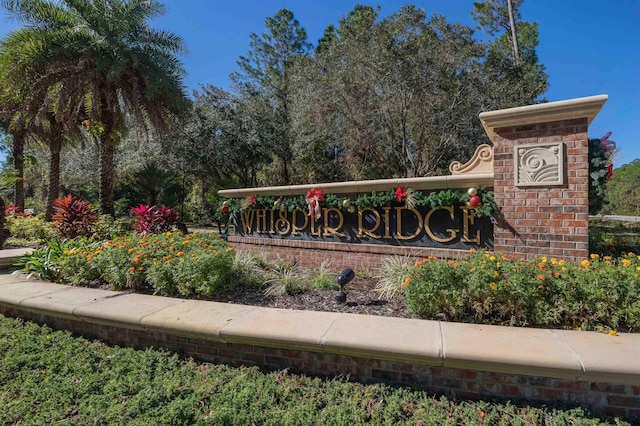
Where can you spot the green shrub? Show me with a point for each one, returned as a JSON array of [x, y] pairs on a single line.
[[107, 227], [602, 292], [32, 228], [169, 263]]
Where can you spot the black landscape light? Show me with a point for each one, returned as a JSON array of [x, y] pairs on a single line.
[[343, 279]]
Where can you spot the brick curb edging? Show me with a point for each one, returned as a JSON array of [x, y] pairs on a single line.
[[467, 361]]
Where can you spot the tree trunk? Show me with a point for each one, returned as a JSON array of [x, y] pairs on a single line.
[[55, 146], [18, 165], [514, 36]]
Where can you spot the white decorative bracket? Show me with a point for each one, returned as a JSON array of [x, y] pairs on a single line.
[[539, 164], [481, 162]]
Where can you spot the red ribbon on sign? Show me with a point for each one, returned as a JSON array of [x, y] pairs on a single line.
[[313, 198], [400, 193]]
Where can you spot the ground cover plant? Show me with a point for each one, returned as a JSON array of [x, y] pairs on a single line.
[[50, 377]]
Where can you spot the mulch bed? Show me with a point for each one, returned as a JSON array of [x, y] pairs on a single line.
[[361, 299]]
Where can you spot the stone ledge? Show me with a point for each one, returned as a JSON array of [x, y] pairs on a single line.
[[9, 256], [532, 352]]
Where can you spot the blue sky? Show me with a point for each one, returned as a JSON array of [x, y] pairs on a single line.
[[589, 47]]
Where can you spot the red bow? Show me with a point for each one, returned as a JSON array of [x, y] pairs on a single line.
[[313, 198], [609, 170], [400, 193], [253, 200]]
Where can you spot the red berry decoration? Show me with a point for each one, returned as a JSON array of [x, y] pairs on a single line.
[[474, 201]]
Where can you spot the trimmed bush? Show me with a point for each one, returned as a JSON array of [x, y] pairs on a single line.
[[168, 263], [601, 292]]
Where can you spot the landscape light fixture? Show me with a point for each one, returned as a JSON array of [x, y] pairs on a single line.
[[343, 279]]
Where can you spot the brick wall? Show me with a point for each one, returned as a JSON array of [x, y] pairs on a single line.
[[543, 221], [359, 257], [604, 398]]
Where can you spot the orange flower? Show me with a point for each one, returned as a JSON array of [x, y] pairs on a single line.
[[540, 277], [406, 282]]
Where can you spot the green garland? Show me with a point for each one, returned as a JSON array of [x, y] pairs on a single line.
[[373, 199]]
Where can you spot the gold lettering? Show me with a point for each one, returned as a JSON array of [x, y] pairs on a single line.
[[453, 233], [295, 228], [368, 232], [313, 231], [399, 223], [271, 217], [468, 218], [247, 220], [261, 220], [387, 222], [328, 230], [283, 226]]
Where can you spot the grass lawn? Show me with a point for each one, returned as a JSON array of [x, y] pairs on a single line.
[[50, 377]]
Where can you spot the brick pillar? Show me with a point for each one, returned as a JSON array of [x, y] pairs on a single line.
[[541, 177]]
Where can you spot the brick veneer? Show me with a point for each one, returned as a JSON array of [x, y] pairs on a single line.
[[310, 254], [543, 221], [604, 398]]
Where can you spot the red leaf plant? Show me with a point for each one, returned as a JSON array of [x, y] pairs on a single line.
[[73, 217], [154, 220], [12, 210]]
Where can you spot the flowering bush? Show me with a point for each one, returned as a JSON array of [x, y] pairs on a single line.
[[169, 263], [73, 217], [154, 220], [497, 289]]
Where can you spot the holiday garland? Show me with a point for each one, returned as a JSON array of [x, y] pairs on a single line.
[[483, 203]]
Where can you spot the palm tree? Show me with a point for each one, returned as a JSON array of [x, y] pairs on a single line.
[[110, 69], [152, 182]]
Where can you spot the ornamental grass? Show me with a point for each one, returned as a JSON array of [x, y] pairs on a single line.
[[598, 293], [168, 264]]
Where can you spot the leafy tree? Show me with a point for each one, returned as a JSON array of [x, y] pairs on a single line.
[[111, 69], [623, 189], [397, 97], [265, 71], [513, 73]]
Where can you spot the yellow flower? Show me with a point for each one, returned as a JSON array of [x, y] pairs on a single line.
[[561, 262], [585, 264], [554, 261], [180, 253], [612, 333], [543, 259], [626, 262], [492, 258], [229, 249], [594, 256], [131, 250], [493, 286]]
